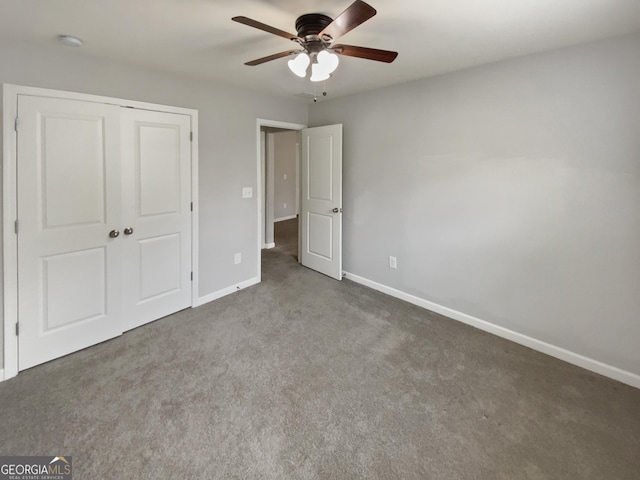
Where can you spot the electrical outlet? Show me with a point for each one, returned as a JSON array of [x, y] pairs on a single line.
[[237, 258], [393, 262], [285, 205], [247, 192], [284, 176]]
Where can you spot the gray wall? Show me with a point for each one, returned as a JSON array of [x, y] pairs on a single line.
[[285, 164], [228, 151], [509, 192]]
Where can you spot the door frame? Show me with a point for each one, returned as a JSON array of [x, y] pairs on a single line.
[[9, 201], [261, 183]]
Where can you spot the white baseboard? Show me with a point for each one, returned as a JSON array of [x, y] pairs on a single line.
[[282, 219], [571, 357], [268, 245], [226, 291], [2, 379]]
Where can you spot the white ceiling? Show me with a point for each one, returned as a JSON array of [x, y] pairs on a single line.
[[197, 38]]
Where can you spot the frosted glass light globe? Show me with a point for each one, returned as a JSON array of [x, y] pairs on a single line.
[[299, 64]]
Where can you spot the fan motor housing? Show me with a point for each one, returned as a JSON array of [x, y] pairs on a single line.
[[311, 24]]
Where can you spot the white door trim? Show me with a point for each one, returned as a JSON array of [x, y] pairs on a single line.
[[261, 122], [269, 184], [9, 206]]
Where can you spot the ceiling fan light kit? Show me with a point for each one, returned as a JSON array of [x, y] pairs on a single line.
[[322, 65], [316, 33]]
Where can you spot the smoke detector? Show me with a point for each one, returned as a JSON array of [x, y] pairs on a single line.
[[70, 40]]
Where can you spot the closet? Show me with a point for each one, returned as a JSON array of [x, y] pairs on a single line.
[[104, 221]]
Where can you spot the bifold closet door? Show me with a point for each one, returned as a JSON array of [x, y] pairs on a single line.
[[156, 229], [69, 200]]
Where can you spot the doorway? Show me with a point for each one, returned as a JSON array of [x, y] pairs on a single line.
[[282, 188], [279, 185], [320, 196]]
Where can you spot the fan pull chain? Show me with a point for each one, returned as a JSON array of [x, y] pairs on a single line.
[[315, 90]]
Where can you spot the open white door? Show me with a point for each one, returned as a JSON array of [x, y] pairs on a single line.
[[321, 208], [68, 203]]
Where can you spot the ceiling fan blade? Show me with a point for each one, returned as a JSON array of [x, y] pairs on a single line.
[[355, 14], [264, 27], [386, 56], [275, 56]]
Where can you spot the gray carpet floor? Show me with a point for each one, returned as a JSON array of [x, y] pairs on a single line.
[[304, 377]]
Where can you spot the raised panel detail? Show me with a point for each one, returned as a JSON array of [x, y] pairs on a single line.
[[320, 168], [159, 168], [73, 170], [320, 235], [159, 266], [73, 287]]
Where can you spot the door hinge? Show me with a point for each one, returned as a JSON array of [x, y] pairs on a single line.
[[192, 276], [191, 136], [192, 206], [17, 329], [16, 227], [15, 125]]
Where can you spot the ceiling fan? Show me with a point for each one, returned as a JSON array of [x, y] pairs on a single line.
[[315, 34]]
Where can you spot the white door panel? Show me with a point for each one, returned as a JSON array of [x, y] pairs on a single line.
[[320, 227], [74, 287], [321, 209], [68, 201], [81, 159], [159, 266], [157, 195], [157, 157]]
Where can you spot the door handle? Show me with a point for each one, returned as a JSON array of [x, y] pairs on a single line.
[[114, 233], [128, 231], [337, 210]]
